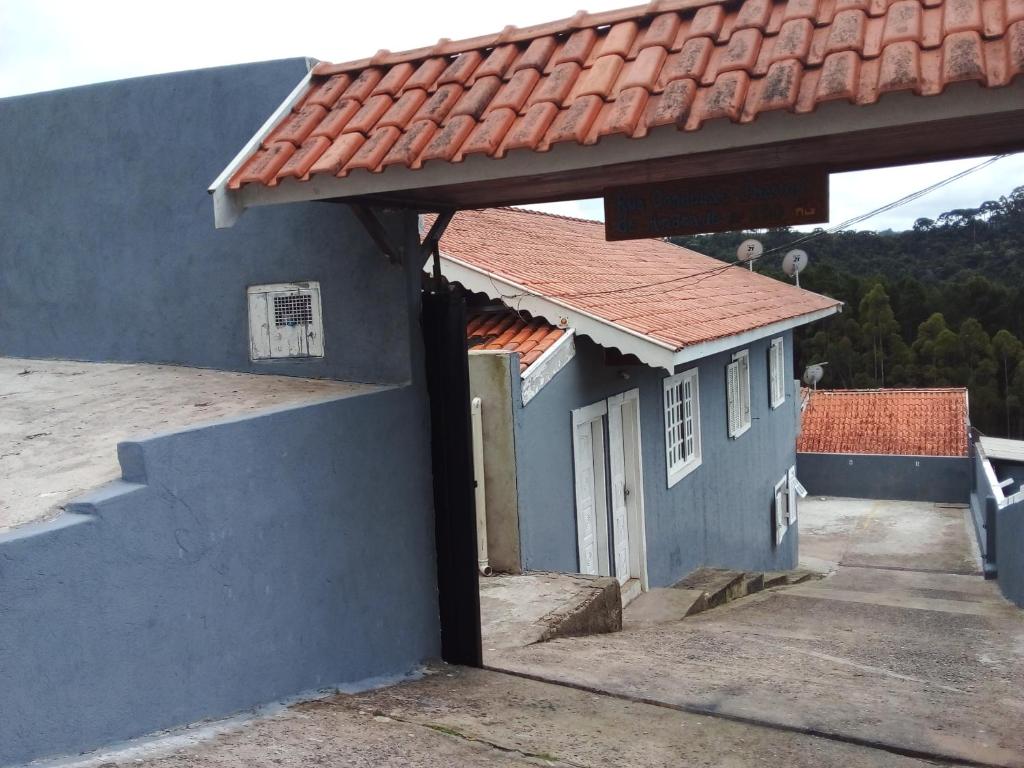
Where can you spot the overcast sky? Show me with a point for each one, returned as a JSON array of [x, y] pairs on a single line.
[[47, 44]]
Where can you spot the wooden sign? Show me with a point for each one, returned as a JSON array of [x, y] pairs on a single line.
[[716, 204]]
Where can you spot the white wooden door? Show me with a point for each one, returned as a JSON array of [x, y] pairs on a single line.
[[591, 505], [617, 463]]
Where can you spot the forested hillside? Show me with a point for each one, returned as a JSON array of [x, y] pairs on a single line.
[[939, 305]]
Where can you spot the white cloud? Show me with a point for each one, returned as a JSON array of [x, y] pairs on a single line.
[[50, 44]]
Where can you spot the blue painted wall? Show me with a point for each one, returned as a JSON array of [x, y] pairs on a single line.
[[983, 510], [907, 478], [718, 515], [1010, 549], [109, 250], [1000, 531], [237, 563], [249, 561]]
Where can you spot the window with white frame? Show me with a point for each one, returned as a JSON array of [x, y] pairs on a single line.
[[682, 425], [737, 380], [776, 373]]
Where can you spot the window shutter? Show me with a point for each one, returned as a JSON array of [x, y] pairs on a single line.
[[781, 516], [733, 397], [792, 486], [744, 386]]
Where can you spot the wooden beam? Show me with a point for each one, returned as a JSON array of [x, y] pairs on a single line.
[[862, 150], [377, 231]]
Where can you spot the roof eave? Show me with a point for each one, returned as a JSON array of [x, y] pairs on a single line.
[[715, 346], [227, 203], [653, 352], [900, 128]]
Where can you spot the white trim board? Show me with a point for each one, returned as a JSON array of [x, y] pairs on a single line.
[[544, 368], [227, 205], [607, 333]]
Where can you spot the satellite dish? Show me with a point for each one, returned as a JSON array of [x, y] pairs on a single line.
[[749, 250], [794, 262], [813, 374]]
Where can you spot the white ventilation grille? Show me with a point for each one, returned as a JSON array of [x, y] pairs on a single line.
[[285, 321], [293, 309]]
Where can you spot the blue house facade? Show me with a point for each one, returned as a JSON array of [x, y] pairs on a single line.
[[612, 454]]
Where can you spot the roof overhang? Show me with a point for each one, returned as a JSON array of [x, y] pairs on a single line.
[[650, 351], [707, 348], [966, 120]]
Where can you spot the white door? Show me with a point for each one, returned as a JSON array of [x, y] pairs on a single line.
[[627, 487], [591, 505], [617, 463]]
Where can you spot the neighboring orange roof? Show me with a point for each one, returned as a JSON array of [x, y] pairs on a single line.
[[679, 62], [509, 331], [653, 288], [900, 422]]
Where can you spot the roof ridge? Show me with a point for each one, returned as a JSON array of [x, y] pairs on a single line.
[[879, 390], [562, 216], [513, 34]]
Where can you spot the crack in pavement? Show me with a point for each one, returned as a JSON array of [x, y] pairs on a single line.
[[895, 749], [546, 758]]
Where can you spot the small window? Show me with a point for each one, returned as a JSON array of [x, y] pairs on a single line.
[[737, 380], [682, 425], [776, 373]]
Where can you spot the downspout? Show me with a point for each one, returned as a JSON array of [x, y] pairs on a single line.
[[475, 413]]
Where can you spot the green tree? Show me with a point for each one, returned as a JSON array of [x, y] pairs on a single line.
[[1008, 353], [927, 337], [879, 325]]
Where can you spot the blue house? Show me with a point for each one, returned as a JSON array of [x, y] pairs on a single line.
[[638, 406]]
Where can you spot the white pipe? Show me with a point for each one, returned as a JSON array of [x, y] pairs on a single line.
[[475, 412]]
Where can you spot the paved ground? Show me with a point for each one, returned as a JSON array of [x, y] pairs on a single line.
[[457, 718], [516, 611], [60, 421], [883, 666], [902, 650]]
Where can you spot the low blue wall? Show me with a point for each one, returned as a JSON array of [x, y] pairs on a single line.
[[983, 515], [237, 564], [904, 478], [1001, 531], [1010, 555]]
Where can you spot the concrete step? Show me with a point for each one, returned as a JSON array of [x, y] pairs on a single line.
[[516, 611], [663, 606], [720, 585], [752, 584]]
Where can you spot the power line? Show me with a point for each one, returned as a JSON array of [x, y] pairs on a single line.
[[711, 272]]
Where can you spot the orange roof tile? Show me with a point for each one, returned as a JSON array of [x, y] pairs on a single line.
[[510, 331], [900, 422], [625, 72], [659, 290]]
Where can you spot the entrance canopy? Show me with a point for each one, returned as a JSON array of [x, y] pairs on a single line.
[[670, 90]]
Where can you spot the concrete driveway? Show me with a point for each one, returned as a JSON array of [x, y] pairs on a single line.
[[899, 659], [904, 648]]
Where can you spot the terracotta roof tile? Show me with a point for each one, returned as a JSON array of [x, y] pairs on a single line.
[[743, 58], [510, 331], [901, 422], [646, 286]]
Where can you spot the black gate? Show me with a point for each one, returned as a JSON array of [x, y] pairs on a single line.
[[444, 333]]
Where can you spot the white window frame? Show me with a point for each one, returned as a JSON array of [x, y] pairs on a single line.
[[679, 462], [737, 393], [776, 378]]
